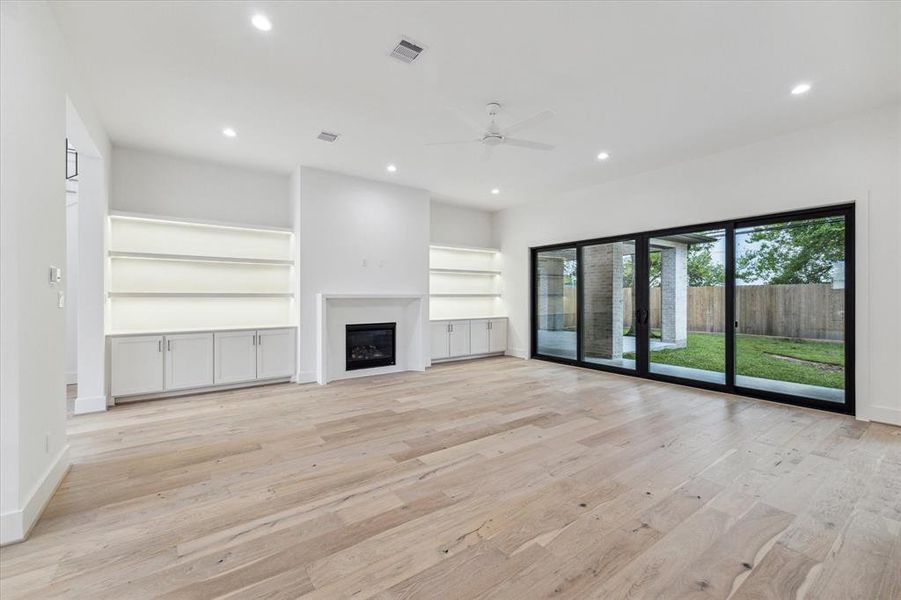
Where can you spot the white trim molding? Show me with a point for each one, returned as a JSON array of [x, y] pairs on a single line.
[[89, 404], [16, 525]]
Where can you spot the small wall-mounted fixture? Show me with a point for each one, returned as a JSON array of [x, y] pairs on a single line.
[[71, 161]]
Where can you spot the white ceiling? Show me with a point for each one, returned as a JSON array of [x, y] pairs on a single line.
[[652, 83]]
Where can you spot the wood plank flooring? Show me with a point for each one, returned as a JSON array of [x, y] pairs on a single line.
[[497, 478]]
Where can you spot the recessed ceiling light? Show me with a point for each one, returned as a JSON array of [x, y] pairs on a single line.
[[801, 88], [495, 191], [229, 132], [391, 168], [261, 22], [603, 156]]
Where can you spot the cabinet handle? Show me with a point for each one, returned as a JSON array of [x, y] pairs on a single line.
[[169, 345], [254, 340], [489, 324], [259, 340], [450, 327], [159, 346]]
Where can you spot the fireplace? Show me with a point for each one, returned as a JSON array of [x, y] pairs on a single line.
[[370, 345]]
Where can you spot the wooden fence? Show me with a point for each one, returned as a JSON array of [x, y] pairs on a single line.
[[809, 311]]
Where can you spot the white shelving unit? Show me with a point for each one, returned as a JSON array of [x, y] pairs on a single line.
[[172, 275], [464, 283]]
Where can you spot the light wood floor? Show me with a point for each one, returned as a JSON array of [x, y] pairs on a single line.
[[491, 479]]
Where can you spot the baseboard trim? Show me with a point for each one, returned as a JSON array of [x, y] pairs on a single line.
[[883, 414], [89, 404], [15, 526], [517, 352], [306, 377]]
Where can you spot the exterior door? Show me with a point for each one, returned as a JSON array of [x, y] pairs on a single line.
[[136, 365], [236, 356], [275, 353], [189, 360]]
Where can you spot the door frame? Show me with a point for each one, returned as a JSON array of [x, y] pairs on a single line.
[[642, 300]]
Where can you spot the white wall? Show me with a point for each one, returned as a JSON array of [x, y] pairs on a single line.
[[165, 185], [856, 159], [71, 287], [35, 78], [459, 226], [356, 236]]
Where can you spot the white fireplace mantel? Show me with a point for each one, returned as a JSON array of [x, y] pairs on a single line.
[[334, 311]]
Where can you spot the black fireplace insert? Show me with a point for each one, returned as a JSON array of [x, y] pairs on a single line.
[[370, 345]]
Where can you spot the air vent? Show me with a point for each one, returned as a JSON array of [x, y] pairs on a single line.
[[406, 51], [325, 136]]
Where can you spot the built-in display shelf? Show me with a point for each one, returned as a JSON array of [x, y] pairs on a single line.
[[464, 282], [200, 258], [176, 274]]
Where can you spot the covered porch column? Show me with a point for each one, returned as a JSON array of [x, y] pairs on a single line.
[[603, 297], [674, 295], [550, 293]]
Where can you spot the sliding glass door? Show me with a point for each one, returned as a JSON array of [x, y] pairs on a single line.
[[687, 301], [761, 307], [555, 275], [791, 306]]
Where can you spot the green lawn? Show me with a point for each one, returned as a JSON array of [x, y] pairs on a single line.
[[758, 356]]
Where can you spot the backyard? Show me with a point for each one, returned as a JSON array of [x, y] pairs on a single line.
[[799, 361]]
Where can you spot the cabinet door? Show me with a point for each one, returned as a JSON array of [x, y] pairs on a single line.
[[189, 360], [275, 353], [235, 356], [439, 333], [478, 336], [136, 365], [459, 338], [498, 335]]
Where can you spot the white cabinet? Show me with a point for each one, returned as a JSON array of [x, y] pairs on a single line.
[[189, 360], [136, 365], [236, 356], [440, 341], [275, 353], [480, 336], [458, 339], [497, 329], [151, 364], [468, 337]]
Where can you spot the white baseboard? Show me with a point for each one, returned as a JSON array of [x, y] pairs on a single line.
[[89, 404], [518, 352], [883, 414], [306, 377], [16, 525]]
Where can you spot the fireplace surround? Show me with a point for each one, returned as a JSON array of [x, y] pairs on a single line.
[[370, 345]]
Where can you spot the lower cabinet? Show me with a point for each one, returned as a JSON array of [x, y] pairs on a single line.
[[136, 365], [189, 361], [468, 337], [181, 361], [236, 356]]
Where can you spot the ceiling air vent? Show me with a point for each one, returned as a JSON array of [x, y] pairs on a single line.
[[406, 51], [325, 136]]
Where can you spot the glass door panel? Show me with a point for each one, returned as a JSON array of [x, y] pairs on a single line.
[[556, 302], [687, 302], [790, 308], [608, 299]]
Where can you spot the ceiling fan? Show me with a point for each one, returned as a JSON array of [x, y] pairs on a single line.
[[494, 135]]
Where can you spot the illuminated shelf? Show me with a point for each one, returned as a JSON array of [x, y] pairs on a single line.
[[464, 295], [200, 258], [465, 271], [200, 295]]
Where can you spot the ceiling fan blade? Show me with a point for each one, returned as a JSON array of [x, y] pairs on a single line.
[[452, 143], [527, 144], [529, 122]]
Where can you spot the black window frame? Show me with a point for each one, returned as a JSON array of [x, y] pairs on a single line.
[[641, 301]]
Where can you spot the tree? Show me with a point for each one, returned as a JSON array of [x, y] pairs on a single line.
[[798, 252], [702, 270]]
